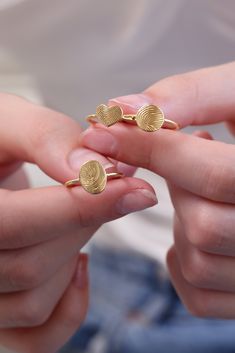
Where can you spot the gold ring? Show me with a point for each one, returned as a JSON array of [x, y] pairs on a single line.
[[148, 118], [93, 177]]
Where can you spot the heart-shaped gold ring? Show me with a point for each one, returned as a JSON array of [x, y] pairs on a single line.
[[93, 177], [107, 115], [149, 118]]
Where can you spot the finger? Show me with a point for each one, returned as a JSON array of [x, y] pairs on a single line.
[[24, 269], [38, 135], [200, 302], [45, 213], [64, 321], [204, 167], [34, 307], [196, 98], [209, 226], [203, 270]]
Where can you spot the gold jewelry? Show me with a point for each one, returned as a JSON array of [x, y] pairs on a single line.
[[106, 115], [93, 177], [148, 118]]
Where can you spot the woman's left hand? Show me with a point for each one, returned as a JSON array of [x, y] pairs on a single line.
[[201, 177]]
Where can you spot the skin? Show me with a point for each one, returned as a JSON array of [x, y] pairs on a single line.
[[201, 177], [43, 279]]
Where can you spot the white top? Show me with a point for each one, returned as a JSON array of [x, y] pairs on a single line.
[[82, 52]]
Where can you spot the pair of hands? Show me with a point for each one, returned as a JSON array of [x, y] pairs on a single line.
[[43, 299]]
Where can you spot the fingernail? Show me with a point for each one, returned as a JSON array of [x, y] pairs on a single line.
[[135, 201], [81, 155], [100, 140], [81, 275], [132, 102]]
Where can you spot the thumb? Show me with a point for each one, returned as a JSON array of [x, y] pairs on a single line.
[[200, 97]]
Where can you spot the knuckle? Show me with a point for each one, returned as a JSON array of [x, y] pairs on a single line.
[[218, 182], [201, 233], [195, 269], [84, 219], [82, 215]]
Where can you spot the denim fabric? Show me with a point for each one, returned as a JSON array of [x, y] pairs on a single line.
[[134, 309]]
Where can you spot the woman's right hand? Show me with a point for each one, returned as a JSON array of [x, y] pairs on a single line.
[[43, 281]]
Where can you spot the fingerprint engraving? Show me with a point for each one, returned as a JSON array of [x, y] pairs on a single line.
[[150, 118], [109, 115], [92, 177]]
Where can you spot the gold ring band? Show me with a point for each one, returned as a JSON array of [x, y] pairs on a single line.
[[93, 177], [167, 124], [148, 118]]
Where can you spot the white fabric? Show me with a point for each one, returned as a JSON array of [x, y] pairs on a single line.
[[82, 52]]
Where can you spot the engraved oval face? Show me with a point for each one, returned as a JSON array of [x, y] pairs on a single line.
[[92, 177], [109, 115], [150, 118]]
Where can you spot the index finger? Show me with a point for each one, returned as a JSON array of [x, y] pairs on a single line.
[[31, 216], [29, 132], [203, 167]]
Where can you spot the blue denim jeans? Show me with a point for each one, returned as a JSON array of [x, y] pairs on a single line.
[[134, 309]]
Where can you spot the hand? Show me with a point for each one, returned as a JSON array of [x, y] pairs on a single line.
[[43, 282], [201, 176]]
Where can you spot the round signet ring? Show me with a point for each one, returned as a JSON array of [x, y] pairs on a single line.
[[151, 118], [93, 177]]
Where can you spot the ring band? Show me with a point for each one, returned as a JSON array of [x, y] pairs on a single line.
[[148, 118], [93, 177]]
